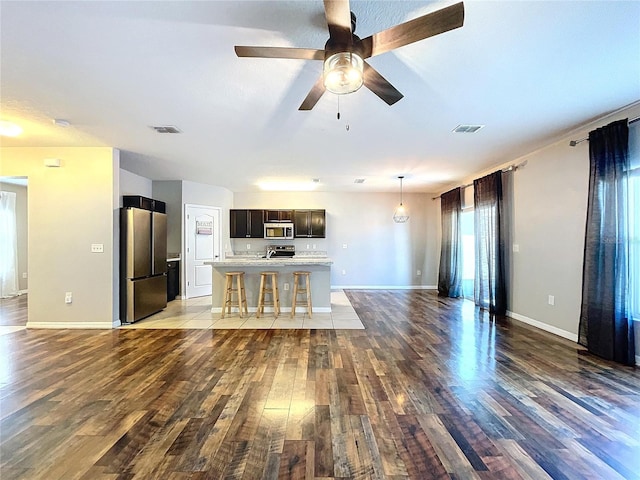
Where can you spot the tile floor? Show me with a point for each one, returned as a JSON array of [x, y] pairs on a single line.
[[195, 313]]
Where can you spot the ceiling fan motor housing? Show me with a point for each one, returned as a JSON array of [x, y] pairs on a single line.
[[355, 46]]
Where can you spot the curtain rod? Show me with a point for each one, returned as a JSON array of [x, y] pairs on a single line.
[[573, 143], [511, 167]]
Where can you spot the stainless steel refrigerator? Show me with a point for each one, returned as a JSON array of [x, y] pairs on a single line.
[[143, 263]]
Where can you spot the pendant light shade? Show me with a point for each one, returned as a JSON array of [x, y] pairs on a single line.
[[401, 215], [343, 72]]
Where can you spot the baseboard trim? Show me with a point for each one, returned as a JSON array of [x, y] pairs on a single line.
[[17, 294], [116, 324], [544, 326], [75, 325], [384, 287], [270, 310]]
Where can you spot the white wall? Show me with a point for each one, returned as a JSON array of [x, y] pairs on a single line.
[[132, 184], [170, 192], [69, 208], [550, 204], [379, 253]]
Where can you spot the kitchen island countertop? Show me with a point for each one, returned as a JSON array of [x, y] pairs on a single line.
[[320, 268]]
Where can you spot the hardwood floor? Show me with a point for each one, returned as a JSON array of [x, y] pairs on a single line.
[[432, 388], [13, 311]]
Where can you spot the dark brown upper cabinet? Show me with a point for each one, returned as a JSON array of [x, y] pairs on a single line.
[[278, 215], [309, 223], [246, 224]]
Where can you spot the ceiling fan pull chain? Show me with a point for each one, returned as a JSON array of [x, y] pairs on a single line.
[[338, 116]]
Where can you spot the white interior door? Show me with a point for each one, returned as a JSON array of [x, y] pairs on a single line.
[[202, 242]]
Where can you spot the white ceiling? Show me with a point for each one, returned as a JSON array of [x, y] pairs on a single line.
[[531, 71]]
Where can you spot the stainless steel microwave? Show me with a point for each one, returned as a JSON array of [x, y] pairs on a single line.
[[278, 231]]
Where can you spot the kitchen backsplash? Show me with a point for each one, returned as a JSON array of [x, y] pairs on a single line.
[[257, 253]]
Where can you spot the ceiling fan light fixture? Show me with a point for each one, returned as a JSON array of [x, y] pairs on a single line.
[[343, 72]]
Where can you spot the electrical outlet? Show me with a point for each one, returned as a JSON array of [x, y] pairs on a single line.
[[248, 246], [314, 246], [552, 300], [286, 286], [24, 274], [516, 247], [418, 272], [97, 248], [68, 297], [307, 246]]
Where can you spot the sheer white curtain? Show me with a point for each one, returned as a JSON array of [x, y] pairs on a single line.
[[8, 245], [634, 220]]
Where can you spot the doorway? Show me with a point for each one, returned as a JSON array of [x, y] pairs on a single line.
[[13, 252], [202, 243]]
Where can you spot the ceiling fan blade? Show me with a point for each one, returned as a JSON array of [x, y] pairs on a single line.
[[280, 52], [380, 86], [314, 95], [414, 30], [339, 20]]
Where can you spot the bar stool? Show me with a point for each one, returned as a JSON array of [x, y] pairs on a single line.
[[241, 297], [297, 290], [268, 286]]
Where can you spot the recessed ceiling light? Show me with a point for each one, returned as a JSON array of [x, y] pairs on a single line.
[[9, 129], [61, 123], [316, 180], [359, 180], [166, 129], [467, 128]]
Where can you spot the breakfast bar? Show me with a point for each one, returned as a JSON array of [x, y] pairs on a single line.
[[320, 268]]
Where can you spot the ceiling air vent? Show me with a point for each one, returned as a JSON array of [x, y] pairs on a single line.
[[467, 128], [166, 129], [359, 180]]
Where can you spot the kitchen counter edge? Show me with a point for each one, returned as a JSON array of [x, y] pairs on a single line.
[[275, 262]]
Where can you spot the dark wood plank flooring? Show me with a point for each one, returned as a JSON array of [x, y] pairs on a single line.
[[432, 388], [13, 311]]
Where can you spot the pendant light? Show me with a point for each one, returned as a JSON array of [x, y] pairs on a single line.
[[401, 215]]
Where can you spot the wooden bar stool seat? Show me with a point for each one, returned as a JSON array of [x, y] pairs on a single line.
[[238, 290], [268, 286], [304, 289]]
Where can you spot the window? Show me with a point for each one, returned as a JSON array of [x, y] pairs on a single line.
[[468, 252]]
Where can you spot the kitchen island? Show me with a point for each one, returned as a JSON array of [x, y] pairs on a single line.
[[320, 268]]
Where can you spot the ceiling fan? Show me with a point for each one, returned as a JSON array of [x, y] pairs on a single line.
[[345, 69]]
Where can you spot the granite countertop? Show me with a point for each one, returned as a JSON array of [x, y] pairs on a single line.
[[249, 261]]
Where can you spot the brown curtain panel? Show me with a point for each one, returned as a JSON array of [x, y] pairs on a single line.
[[606, 327], [490, 289], [450, 271]]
